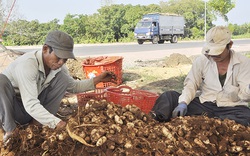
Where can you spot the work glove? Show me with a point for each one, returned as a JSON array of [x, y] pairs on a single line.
[[180, 110]]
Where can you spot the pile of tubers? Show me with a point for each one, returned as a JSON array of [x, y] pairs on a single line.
[[101, 128]]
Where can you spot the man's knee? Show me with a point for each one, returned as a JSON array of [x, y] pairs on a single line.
[[3, 80], [164, 105], [169, 94], [5, 85]]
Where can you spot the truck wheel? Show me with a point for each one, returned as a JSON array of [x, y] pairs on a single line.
[[155, 39], [161, 42], [174, 39], [140, 41]]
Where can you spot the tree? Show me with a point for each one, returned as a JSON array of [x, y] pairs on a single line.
[[132, 16], [113, 19], [21, 32], [44, 28], [114, 23], [193, 11], [75, 26], [222, 7]]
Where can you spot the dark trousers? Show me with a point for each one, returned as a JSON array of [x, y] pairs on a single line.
[[167, 102], [11, 107]]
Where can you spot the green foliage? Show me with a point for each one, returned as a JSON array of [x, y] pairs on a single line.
[[247, 54], [115, 23], [197, 33], [240, 30], [222, 7], [23, 32], [75, 26], [242, 36], [194, 14]]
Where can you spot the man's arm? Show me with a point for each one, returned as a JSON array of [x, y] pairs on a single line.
[[25, 75], [192, 82]]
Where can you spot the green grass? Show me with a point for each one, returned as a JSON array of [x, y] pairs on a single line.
[[247, 54], [241, 36]]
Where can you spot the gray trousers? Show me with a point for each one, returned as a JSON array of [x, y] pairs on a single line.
[[11, 107], [167, 101]]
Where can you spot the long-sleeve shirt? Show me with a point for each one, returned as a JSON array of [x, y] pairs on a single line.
[[204, 76], [28, 78]]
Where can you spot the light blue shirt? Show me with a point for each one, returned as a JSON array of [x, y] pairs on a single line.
[[28, 78]]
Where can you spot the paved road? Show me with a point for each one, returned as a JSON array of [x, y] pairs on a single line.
[[148, 51]]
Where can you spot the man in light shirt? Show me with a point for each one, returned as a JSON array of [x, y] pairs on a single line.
[[222, 77], [33, 85]]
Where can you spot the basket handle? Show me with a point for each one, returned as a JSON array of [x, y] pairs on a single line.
[[123, 89]]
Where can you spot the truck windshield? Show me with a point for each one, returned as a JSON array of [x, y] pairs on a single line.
[[143, 25]]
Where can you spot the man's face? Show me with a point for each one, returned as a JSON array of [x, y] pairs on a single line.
[[221, 57], [51, 60]]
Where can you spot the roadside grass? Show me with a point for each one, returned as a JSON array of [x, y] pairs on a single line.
[[247, 54], [247, 35]]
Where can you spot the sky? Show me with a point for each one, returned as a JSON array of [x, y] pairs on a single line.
[[47, 10]]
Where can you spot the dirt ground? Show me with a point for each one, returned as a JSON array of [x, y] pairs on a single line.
[[154, 75], [106, 129]]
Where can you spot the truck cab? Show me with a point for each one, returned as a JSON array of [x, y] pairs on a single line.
[[145, 30]]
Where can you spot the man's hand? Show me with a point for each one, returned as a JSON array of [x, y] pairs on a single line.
[[61, 125], [180, 110], [106, 76]]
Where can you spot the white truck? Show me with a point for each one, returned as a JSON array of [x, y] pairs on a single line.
[[159, 27]]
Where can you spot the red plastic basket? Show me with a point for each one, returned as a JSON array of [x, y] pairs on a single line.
[[97, 94], [101, 64], [125, 95]]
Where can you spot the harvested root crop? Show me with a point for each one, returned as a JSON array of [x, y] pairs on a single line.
[[102, 128]]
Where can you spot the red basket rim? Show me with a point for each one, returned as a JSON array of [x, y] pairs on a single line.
[[118, 58]]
